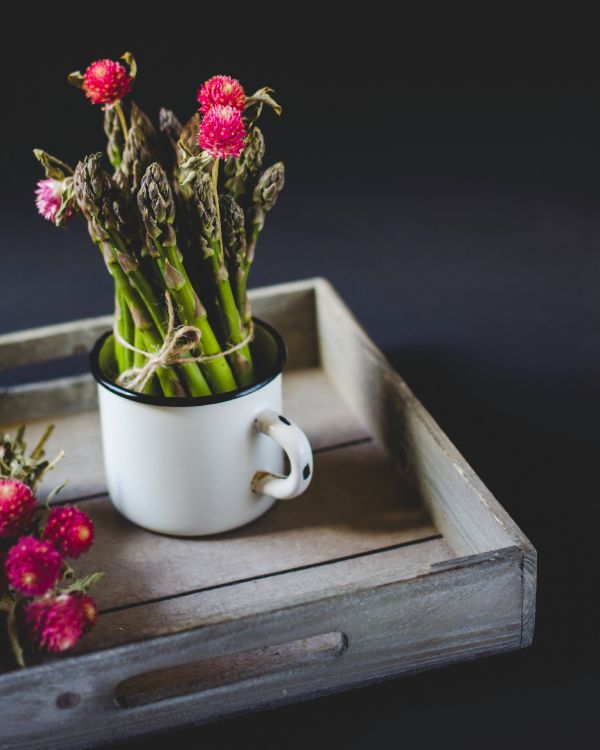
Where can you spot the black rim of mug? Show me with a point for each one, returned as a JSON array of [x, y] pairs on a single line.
[[216, 398]]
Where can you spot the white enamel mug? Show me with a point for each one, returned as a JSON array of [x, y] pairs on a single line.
[[197, 466]]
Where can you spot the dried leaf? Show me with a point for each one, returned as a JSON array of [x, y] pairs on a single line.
[[76, 79]]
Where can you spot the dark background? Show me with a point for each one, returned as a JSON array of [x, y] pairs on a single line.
[[443, 173]]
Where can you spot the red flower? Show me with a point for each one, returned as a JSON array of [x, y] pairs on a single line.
[[56, 623], [221, 90], [17, 505], [106, 82], [32, 567], [70, 530], [222, 133]]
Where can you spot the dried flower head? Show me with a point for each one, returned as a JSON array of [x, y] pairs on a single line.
[[106, 82], [48, 199], [56, 623], [32, 566], [222, 133], [223, 91], [70, 530], [17, 505]]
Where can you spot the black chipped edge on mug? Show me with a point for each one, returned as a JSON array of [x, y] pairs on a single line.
[[216, 398]]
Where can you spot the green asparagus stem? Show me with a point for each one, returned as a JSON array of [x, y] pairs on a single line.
[[152, 387], [156, 205], [235, 248], [209, 221], [126, 330]]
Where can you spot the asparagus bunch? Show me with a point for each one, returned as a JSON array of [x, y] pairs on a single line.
[[177, 234], [157, 208]]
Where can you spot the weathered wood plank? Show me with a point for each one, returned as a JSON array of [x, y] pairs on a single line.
[[51, 342], [356, 503], [264, 594], [45, 399], [422, 623], [307, 395]]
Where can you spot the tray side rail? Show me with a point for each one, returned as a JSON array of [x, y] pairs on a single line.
[[353, 639]]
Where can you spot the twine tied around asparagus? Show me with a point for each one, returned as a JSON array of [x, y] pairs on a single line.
[[179, 342]]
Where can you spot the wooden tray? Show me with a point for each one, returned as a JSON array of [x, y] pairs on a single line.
[[397, 559]]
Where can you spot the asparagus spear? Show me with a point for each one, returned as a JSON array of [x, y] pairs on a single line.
[[265, 196], [169, 126], [170, 130], [157, 207], [99, 199], [235, 248], [212, 245], [138, 151], [242, 245], [114, 134], [242, 172]]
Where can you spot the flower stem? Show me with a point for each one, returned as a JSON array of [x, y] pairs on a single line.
[[13, 635], [122, 120]]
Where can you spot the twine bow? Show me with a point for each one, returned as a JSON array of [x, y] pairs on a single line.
[[175, 350]]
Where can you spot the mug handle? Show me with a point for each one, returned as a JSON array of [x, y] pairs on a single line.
[[295, 443]]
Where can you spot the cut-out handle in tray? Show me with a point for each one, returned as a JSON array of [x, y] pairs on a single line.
[[208, 674]]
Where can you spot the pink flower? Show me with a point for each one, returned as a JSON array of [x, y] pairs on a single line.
[[56, 623], [48, 199], [17, 505], [70, 530], [222, 133], [221, 90], [32, 566], [106, 82]]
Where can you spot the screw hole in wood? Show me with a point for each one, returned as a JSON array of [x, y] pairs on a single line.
[[68, 700]]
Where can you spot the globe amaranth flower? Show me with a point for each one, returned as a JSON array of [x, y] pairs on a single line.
[[32, 566], [70, 530], [56, 623], [48, 199], [106, 82], [222, 132], [17, 506], [222, 91]]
